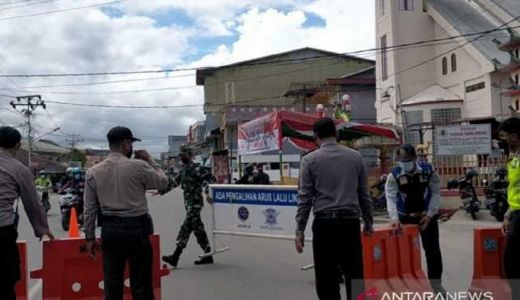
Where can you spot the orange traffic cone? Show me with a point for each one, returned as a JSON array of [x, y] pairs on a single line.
[[73, 225]]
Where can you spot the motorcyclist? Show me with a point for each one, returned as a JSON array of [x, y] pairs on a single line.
[[43, 182], [77, 184]]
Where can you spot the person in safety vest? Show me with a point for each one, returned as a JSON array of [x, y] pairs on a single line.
[[413, 197], [510, 142]]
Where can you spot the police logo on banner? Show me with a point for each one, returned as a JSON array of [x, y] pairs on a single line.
[[243, 213], [271, 214], [271, 222]]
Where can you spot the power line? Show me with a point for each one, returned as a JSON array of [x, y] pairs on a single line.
[[110, 92], [29, 4], [254, 63], [62, 10], [124, 106], [484, 33]]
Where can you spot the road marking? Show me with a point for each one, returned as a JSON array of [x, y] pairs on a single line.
[[35, 289]]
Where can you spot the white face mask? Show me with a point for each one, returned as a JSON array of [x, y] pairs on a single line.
[[407, 166]]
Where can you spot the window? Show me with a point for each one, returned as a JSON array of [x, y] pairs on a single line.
[[382, 7], [517, 105], [444, 66], [405, 4], [384, 58], [517, 52], [454, 62], [445, 115], [516, 78]]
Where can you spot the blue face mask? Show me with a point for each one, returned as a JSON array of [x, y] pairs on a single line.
[[407, 166]]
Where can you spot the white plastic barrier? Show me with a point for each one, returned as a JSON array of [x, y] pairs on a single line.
[[255, 210]]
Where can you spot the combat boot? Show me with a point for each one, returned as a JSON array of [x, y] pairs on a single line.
[[174, 258], [205, 260]]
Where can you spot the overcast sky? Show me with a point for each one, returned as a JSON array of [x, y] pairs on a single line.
[[152, 35]]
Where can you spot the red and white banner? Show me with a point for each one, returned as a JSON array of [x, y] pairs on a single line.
[[265, 133], [259, 135]]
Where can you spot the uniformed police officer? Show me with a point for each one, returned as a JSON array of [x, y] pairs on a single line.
[[510, 137], [333, 184], [413, 197], [16, 181], [192, 179]]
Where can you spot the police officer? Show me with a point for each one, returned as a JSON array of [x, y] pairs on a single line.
[[510, 139], [413, 197], [333, 184], [192, 179], [16, 181], [116, 187]]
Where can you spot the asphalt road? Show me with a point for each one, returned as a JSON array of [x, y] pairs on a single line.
[[257, 268]]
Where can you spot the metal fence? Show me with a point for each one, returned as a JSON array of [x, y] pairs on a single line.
[[452, 167]]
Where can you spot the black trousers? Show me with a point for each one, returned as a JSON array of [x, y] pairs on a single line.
[[337, 244], [511, 256], [9, 262], [127, 239], [431, 246]]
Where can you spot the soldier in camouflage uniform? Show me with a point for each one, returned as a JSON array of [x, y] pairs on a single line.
[[192, 179]]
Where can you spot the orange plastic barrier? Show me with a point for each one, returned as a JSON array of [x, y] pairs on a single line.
[[488, 272], [392, 262], [21, 286], [70, 273], [410, 265]]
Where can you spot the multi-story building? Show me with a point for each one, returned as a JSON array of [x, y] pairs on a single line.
[[438, 62], [289, 80]]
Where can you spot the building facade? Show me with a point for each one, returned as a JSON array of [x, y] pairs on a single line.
[[453, 74]]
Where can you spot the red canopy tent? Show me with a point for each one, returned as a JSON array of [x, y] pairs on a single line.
[[266, 133]]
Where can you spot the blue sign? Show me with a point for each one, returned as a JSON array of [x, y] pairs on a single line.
[[255, 197]]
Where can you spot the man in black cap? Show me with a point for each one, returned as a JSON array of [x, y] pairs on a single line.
[[333, 185], [116, 187], [413, 197]]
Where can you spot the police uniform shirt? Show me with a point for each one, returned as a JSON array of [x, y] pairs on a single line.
[[119, 185]]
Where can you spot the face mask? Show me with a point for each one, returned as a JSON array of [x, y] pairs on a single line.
[[185, 160], [407, 166], [504, 146]]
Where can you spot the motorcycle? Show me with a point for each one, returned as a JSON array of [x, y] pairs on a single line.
[[377, 193], [71, 199], [496, 194], [470, 202], [43, 193]]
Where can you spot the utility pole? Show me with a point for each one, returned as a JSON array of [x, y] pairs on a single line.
[[73, 140], [29, 104]]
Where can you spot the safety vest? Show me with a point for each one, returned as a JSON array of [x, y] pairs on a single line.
[[414, 192], [513, 190]]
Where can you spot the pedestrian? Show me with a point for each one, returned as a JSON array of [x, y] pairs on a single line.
[[260, 177], [192, 180], [333, 183], [248, 177], [16, 181], [510, 139], [413, 196], [117, 187]]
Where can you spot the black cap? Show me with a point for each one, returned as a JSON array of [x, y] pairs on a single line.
[[119, 133], [406, 153]]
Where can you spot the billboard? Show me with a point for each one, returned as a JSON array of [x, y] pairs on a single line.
[[463, 139]]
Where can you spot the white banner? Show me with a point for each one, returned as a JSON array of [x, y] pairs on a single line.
[[463, 139], [256, 210]]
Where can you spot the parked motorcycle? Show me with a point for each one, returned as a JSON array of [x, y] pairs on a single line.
[[377, 193], [496, 194], [470, 202], [43, 193], [70, 199]]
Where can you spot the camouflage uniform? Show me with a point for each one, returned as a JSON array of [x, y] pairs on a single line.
[[193, 179]]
